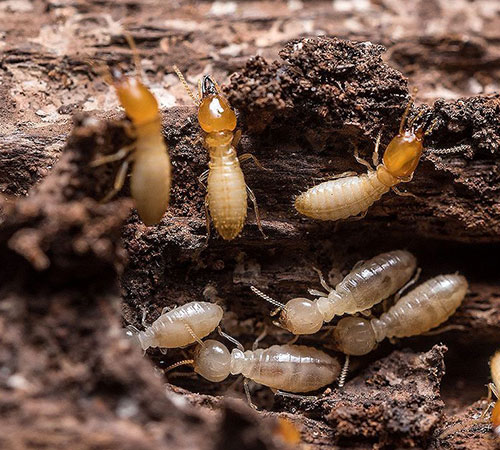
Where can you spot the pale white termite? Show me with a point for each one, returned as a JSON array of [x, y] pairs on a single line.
[[151, 171], [495, 388], [226, 200], [283, 368], [425, 307], [180, 326], [349, 196], [366, 285]]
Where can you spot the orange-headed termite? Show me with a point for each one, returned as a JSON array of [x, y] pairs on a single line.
[[151, 171], [366, 285], [180, 326], [352, 195], [226, 199], [284, 368]]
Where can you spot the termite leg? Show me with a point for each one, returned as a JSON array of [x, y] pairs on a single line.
[[246, 156], [251, 195], [247, 393], [166, 309], [345, 370], [359, 264], [349, 173], [407, 285], [366, 312], [296, 396], [131, 330], [361, 160], [360, 216], [207, 217], [259, 338], [203, 177], [293, 340], [236, 138], [444, 330], [120, 154], [375, 155], [143, 318], [404, 193], [323, 282], [193, 334], [163, 351], [119, 181], [317, 293], [492, 390], [230, 339]]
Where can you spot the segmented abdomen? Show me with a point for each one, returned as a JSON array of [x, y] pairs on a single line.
[[424, 308], [291, 368], [227, 195], [376, 279], [151, 178], [170, 330], [342, 198]]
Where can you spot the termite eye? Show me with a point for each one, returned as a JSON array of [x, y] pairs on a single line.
[[215, 114], [402, 154], [354, 336], [212, 361]]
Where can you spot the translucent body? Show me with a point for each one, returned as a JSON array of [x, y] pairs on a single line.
[[422, 309], [291, 368], [175, 328], [365, 286], [353, 195], [151, 173]]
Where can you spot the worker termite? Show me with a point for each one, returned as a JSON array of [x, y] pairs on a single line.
[[495, 389], [289, 368], [425, 307], [366, 285], [180, 326], [151, 171], [349, 196], [226, 199]]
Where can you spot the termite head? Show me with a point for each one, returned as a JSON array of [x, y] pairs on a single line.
[[301, 316], [139, 103], [214, 113], [355, 336], [212, 360]]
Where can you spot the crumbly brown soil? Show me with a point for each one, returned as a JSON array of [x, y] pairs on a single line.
[[75, 271]]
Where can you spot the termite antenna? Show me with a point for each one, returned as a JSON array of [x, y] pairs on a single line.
[[186, 86], [135, 53], [267, 298], [345, 370], [230, 339], [407, 110], [184, 362]]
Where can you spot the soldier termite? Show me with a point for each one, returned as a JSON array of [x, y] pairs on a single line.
[[349, 196], [226, 199], [151, 171], [180, 326], [425, 307], [289, 368], [366, 285]]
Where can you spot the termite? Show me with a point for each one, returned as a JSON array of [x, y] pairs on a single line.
[[226, 198], [150, 178], [283, 368], [180, 326], [495, 389], [350, 195], [366, 285], [425, 307]]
